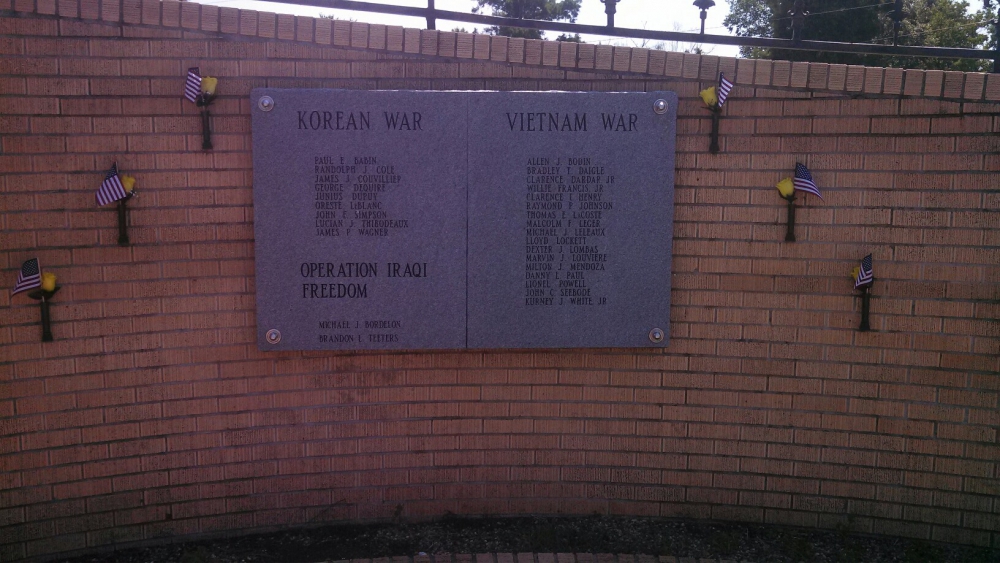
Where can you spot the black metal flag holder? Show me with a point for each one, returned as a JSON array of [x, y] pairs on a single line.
[[43, 298], [713, 146], [123, 239], [865, 307], [203, 101], [206, 131], [790, 232]]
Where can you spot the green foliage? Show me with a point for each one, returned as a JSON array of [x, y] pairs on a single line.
[[847, 21], [945, 23], [546, 10], [751, 18], [939, 23]]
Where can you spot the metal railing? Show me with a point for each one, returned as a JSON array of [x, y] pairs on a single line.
[[432, 14]]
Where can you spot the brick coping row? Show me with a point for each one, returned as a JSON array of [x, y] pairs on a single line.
[[566, 56], [534, 558]]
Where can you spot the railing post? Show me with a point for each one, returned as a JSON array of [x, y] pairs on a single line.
[[431, 20], [610, 8], [703, 5], [897, 19], [798, 13], [996, 44]]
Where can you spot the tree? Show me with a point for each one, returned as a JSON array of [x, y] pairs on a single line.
[[943, 23], [752, 18], [939, 24], [847, 21], [546, 10]]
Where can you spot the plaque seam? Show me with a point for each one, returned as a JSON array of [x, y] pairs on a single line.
[[468, 213]]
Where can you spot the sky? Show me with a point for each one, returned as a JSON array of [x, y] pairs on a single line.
[[664, 15]]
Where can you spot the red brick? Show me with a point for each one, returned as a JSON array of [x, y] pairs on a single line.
[[762, 387]]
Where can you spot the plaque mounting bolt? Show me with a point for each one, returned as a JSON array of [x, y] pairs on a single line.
[[660, 106], [656, 335], [273, 336], [266, 103]]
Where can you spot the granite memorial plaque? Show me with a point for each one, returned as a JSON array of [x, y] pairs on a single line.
[[579, 189], [360, 219], [448, 220]]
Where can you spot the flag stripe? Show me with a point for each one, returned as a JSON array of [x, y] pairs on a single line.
[[803, 180], [806, 186], [192, 87], [866, 275], [29, 277], [725, 87], [111, 189]]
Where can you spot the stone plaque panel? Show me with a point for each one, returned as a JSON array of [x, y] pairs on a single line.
[[444, 220], [360, 219], [570, 219]]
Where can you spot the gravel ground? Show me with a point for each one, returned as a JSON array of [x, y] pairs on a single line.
[[598, 534]]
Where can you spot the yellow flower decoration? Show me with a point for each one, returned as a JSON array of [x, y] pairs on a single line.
[[855, 272], [48, 282], [710, 98], [128, 183], [786, 188], [208, 85]]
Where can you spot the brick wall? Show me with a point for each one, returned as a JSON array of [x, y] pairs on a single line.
[[154, 415]]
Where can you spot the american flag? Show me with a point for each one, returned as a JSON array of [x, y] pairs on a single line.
[[29, 277], [804, 180], [192, 88], [865, 275], [725, 87], [111, 189]]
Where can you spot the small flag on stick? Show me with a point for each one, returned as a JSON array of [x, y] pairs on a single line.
[[865, 275], [29, 277], [804, 181], [725, 87], [111, 189], [192, 88]]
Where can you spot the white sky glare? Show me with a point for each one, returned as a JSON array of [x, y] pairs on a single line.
[[661, 15]]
